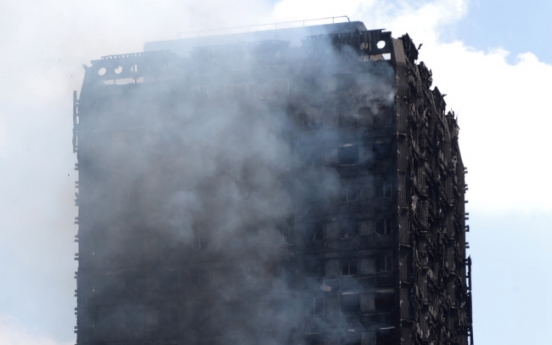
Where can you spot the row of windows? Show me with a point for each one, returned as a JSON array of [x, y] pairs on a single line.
[[356, 191], [137, 247], [319, 231], [349, 266], [381, 336], [377, 117], [122, 318], [353, 154], [353, 303], [142, 282]]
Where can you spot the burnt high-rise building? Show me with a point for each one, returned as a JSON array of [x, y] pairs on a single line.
[[293, 186]]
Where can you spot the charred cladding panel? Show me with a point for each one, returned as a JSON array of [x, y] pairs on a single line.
[[264, 192]]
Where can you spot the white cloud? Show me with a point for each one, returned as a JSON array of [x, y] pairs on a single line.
[[13, 334], [504, 117], [299, 10]]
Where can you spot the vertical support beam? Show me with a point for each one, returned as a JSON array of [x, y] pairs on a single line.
[[75, 121], [470, 309], [402, 227]]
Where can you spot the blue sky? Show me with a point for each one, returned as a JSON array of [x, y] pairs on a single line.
[[493, 59], [517, 26]]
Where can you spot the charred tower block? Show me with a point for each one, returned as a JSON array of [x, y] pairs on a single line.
[[297, 186]]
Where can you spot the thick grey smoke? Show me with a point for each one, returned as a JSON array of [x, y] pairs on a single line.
[[196, 192]]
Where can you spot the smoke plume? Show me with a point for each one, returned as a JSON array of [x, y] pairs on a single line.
[[198, 188]]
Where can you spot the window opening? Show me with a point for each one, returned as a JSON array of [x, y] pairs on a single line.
[[317, 306], [347, 154], [384, 262], [314, 232], [384, 226], [314, 267], [384, 301], [349, 267], [348, 230], [350, 303]]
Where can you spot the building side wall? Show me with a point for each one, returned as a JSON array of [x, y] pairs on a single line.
[[435, 297]]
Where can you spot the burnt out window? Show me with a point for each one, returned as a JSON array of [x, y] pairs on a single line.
[[349, 267], [347, 154], [384, 226], [288, 232], [347, 119], [315, 340], [331, 231], [317, 306], [331, 268], [314, 232], [384, 300], [314, 267], [367, 227], [352, 339], [365, 117], [365, 192], [348, 191], [348, 230], [201, 240], [382, 188], [387, 189], [350, 303], [385, 336], [382, 150], [367, 303], [384, 262], [331, 192], [378, 188], [367, 265], [382, 116], [135, 282]]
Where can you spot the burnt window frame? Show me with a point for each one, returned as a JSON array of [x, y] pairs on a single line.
[[383, 188], [384, 262], [384, 226], [350, 303], [314, 231], [348, 229], [349, 266], [348, 154], [317, 306], [314, 267]]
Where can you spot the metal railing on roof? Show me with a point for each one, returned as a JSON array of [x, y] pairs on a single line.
[[263, 27]]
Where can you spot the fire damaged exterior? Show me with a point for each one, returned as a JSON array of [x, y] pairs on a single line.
[[300, 188]]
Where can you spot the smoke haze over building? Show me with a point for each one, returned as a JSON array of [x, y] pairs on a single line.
[[305, 187], [48, 43]]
